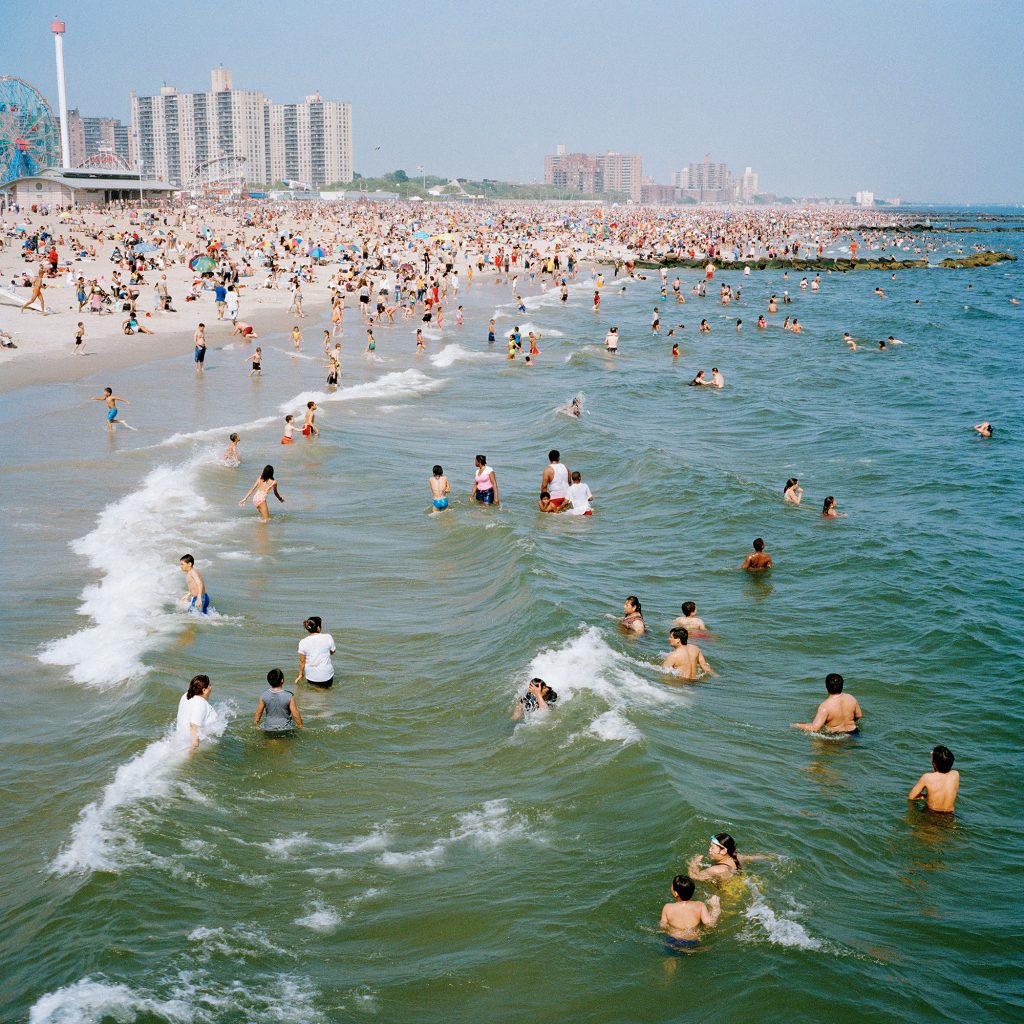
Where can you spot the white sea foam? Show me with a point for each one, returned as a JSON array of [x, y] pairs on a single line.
[[134, 549], [454, 353], [321, 918], [588, 663], [489, 826], [544, 332], [780, 930], [613, 726], [214, 433], [286, 846], [186, 996], [391, 385], [102, 838], [241, 942]]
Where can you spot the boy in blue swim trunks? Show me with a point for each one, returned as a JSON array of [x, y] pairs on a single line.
[[440, 488], [197, 598], [111, 399], [681, 918]]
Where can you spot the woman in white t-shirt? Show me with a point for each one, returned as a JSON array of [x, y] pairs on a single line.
[[195, 716], [315, 653]]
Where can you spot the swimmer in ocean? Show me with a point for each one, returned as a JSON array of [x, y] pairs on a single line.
[[538, 697], [849, 341], [632, 620], [792, 492], [725, 859], [197, 599], [111, 399], [690, 620], [683, 660], [940, 786], [985, 429], [681, 918], [758, 558], [439, 488], [231, 456], [838, 713]]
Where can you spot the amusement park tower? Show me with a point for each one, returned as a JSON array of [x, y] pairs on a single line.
[[57, 28]]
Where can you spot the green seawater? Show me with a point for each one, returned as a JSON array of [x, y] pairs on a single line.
[[412, 855]]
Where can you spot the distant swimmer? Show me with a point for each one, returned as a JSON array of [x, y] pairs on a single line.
[[632, 620], [111, 400], [315, 650], [277, 707], [485, 483], [758, 558], [1014, 302], [597, 301], [739, 326], [880, 293], [247, 331], [579, 497], [838, 713], [231, 456], [576, 407], [197, 599], [675, 349], [699, 381], [940, 786], [309, 427], [196, 718], [681, 918], [684, 660], [261, 491], [655, 321], [796, 327], [829, 510], [611, 340], [289, 430], [690, 620], [555, 478], [725, 859], [439, 488], [985, 429], [538, 697], [761, 322], [893, 341], [793, 492], [849, 341], [705, 327], [717, 379]]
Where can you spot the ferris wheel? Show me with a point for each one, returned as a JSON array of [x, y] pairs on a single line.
[[29, 139]]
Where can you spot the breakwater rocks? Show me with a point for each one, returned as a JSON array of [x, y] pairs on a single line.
[[981, 259]]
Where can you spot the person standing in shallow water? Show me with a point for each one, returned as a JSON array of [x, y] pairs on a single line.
[[261, 491], [315, 650], [758, 558], [485, 483], [277, 707]]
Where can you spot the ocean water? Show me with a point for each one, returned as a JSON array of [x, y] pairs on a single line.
[[413, 855]]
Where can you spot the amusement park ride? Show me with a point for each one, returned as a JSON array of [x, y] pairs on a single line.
[[29, 138]]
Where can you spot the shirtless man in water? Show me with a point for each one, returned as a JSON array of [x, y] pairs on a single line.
[[197, 598], [683, 660], [690, 620], [838, 713], [681, 918], [758, 558], [940, 786]]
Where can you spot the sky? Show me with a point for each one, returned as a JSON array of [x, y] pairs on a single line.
[[922, 99]]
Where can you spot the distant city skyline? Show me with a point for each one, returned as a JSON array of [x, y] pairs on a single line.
[[917, 99]]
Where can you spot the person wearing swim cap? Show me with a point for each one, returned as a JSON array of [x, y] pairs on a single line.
[[725, 859]]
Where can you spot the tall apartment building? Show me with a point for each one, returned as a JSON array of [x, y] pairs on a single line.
[[96, 137], [589, 172], [708, 182], [174, 133]]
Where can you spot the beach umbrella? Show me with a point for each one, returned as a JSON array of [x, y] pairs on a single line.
[[317, 253], [406, 268], [203, 264], [420, 234], [21, 227], [146, 247]]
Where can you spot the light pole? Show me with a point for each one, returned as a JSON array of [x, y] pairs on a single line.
[[419, 167]]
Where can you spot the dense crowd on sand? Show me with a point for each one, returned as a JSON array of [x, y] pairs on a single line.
[[103, 275]]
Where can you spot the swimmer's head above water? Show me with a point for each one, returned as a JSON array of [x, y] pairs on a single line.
[[683, 888]]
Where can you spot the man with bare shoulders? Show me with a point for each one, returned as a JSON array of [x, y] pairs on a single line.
[[838, 713], [690, 620], [555, 479], [681, 918], [939, 787], [683, 660], [758, 558]]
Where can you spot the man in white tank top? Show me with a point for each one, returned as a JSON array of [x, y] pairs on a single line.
[[555, 479]]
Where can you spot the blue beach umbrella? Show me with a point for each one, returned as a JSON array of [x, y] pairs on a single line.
[[145, 247], [420, 234], [316, 252]]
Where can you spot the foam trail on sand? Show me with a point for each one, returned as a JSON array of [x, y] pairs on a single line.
[[133, 549]]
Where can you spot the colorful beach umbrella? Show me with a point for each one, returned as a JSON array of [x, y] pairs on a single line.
[[203, 264], [316, 252], [420, 234]]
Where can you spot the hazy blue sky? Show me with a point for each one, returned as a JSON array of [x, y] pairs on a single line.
[[921, 99]]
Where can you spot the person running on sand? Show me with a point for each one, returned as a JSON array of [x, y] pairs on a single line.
[[261, 491], [79, 339], [37, 292], [939, 787], [838, 713], [111, 399], [684, 660]]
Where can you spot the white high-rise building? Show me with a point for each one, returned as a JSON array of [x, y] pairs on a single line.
[[865, 198], [748, 185], [175, 133]]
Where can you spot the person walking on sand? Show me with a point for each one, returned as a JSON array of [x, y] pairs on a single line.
[[261, 491], [37, 291]]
